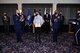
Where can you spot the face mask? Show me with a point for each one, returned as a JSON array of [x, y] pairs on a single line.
[[18, 13], [36, 14]]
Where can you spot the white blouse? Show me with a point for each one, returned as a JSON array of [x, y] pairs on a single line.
[[38, 21]]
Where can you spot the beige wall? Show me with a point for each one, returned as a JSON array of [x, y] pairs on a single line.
[[54, 2], [40, 1]]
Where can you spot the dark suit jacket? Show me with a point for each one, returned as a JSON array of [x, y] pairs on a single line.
[[47, 18], [7, 21]]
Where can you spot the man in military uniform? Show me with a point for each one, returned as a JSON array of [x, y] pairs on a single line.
[[17, 25], [6, 22], [55, 25]]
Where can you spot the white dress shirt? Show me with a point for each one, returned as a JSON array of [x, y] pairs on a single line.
[[38, 21]]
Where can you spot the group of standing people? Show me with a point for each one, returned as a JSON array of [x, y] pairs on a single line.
[[37, 21]]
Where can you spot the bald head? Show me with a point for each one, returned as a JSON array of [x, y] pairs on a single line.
[[17, 11]]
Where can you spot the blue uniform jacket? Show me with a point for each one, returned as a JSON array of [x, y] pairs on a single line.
[[55, 25], [17, 23]]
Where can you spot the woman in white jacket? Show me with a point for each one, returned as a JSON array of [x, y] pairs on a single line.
[[38, 22]]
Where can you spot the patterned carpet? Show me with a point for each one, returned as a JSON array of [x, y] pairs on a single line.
[[8, 44]]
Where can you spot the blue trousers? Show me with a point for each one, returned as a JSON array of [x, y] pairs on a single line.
[[18, 32], [55, 34]]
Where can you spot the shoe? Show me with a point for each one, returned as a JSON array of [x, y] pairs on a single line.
[[36, 41], [17, 41], [21, 40], [40, 42], [54, 40], [76, 44]]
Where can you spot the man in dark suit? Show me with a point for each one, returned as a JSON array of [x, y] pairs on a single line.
[[6, 22], [77, 30], [61, 22], [47, 22]]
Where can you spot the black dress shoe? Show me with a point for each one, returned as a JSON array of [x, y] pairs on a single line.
[[36, 41], [21, 40], [40, 42], [17, 41], [54, 41], [76, 44]]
